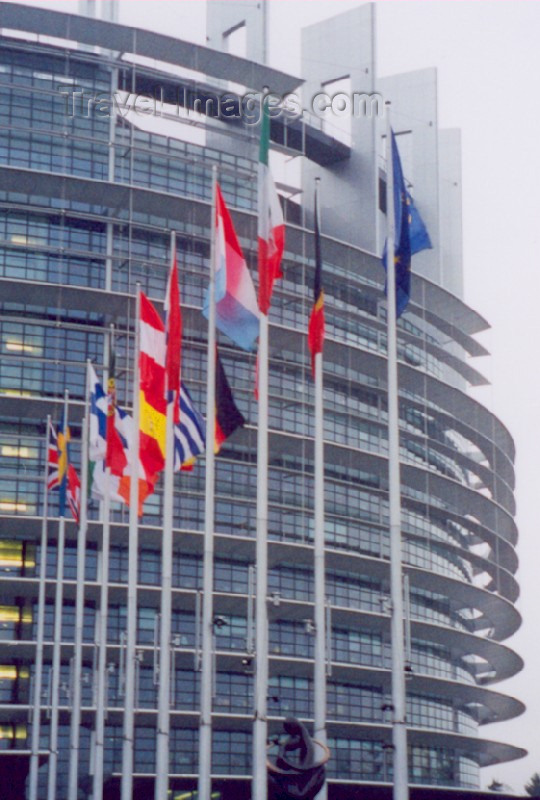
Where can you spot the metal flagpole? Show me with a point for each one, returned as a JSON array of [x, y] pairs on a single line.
[[205, 734], [38, 682], [319, 542], [264, 11], [58, 601], [79, 606], [133, 559], [259, 785], [164, 691], [101, 686], [399, 729]]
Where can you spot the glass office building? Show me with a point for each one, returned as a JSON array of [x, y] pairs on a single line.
[[87, 201]]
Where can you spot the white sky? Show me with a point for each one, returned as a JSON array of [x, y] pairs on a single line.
[[487, 54]]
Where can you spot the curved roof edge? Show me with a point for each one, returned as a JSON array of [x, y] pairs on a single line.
[[137, 41], [437, 299], [441, 303], [91, 190]]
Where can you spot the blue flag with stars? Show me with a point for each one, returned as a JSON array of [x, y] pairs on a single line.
[[418, 234], [411, 235]]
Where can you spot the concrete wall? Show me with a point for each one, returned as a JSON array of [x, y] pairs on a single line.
[[413, 98], [223, 16], [450, 194], [338, 47]]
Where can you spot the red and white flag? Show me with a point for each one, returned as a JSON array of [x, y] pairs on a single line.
[[73, 493], [271, 229], [174, 334], [152, 403]]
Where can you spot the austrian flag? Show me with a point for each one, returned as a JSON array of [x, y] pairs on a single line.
[[174, 333]]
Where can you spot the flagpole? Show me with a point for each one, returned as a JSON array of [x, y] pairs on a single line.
[[318, 553], [79, 608], [133, 558], [38, 682], [164, 692], [264, 10], [259, 786], [205, 734], [58, 602], [101, 693], [399, 729]]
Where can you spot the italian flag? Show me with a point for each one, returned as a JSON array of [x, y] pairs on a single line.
[[271, 231]]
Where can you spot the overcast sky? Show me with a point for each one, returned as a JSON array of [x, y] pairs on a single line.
[[487, 54]]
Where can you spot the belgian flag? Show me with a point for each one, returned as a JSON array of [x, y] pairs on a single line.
[[316, 320], [228, 417]]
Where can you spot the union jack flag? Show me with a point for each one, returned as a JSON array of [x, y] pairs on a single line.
[[53, 478]]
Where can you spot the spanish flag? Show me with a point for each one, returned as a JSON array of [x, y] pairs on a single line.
[[316, 320], [153, 404]]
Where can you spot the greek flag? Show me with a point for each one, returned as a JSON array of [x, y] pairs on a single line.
[[189, 433]]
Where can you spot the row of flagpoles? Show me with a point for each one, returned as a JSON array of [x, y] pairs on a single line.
[[165, 434], [110, 447]]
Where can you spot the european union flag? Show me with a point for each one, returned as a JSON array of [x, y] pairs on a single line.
[[417, 230], [411, 235]]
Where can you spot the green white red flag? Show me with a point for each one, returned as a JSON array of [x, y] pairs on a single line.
[[271, 230], [316, 320]]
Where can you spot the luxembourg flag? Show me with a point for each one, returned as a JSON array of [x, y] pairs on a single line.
[[237, 313], [271, 230]]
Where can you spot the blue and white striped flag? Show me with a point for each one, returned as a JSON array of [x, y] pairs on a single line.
[[97, 444], [189, 433]]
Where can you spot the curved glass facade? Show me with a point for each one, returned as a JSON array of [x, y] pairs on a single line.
[[69, 263]]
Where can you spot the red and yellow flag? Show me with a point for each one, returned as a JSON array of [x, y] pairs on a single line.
[[152, 400]]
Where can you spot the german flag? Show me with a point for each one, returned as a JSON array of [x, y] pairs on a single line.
[[316, 320], [228, 417]]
